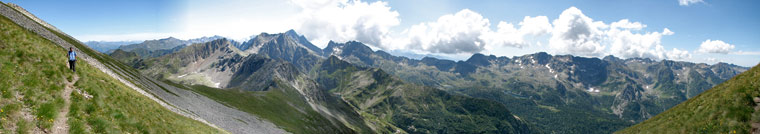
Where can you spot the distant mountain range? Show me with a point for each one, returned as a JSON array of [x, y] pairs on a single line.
[[106, 46], [562, 93], [146, 46]]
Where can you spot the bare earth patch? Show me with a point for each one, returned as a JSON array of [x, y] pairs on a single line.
[[60, 126]]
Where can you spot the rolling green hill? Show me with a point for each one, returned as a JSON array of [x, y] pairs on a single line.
[[730, 107]]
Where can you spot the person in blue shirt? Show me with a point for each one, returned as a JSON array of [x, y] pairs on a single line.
[[72, 59]]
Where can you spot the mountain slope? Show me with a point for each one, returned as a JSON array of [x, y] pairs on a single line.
[[276, 76], [730, 107], [271, 89], [33, 80], [289, 47], [393, 104], [202, 63], [560, 93], [179, 101]]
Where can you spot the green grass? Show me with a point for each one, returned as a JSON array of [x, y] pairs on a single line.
[[23, 127], [726, 108], [34, 70], [115, 108], [281, 105], [33, 75]]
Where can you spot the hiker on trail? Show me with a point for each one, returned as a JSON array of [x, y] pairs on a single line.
[[72, 59]]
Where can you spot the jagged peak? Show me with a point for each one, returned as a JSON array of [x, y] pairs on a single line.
[[288, 36], [349, 46], [169, 38], [292, 32], [611, 58], [221, 43]]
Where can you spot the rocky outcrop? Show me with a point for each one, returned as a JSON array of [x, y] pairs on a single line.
[[32, 16]]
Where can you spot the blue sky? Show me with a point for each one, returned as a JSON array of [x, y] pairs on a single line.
[[706, 31]]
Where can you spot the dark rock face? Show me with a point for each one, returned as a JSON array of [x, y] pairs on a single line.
[[542, 57], [351, 49], [464, 68], [480, 60], [443, 65], [257, 73], [590, 71], [285, 49], [300, 39], [289, 47]]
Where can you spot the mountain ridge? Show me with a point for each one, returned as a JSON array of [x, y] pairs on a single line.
[[653, 85], [281, 64], [612, 91]]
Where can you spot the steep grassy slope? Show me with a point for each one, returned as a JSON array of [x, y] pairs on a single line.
[[34, 70], [730, 107], [178, 100]]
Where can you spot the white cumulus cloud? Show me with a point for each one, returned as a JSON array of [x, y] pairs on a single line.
[[626, 24], [452, 33], [715, 46], [627, 44], [576, 33], [507, 35], [469, 32], [344, 20], [678, 54], [538, 25]]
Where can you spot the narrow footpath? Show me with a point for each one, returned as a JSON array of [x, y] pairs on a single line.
[[60, 126], [756, 125]]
